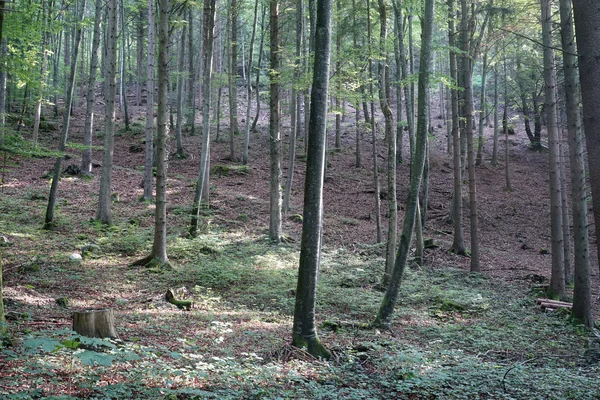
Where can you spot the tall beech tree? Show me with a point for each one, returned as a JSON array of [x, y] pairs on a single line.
[[158, 255], [149, 130], [88, 129], [588, 37], [208, 27], [388, 303], [110, 76], [62, 145], [304, 333], [275, 203]]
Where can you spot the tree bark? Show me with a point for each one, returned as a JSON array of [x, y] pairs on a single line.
[[249, 86], [88, 129], [180, 82], [149, 153], [233, 121], [207, 51], [388, 303], [49, 221], [304, 333], [274, 132], [582, 296], [104, 203], [95, 323], [557, 281]]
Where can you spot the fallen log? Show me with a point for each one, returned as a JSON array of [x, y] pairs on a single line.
[[181, 304], [550, 301]]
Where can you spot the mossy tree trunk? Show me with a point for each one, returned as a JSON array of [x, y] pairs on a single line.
[[304, 332]]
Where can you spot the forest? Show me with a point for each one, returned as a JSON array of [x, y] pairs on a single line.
[[355, 199]]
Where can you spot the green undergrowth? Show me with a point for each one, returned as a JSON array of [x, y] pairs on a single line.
[[455, 335]]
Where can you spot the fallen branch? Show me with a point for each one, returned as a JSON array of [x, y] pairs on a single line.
[[181, 304]]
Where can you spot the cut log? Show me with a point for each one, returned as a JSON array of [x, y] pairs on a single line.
[[555, 302], [95, 323]]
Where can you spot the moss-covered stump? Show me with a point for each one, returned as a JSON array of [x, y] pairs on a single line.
[[181, 304], [95, 323]]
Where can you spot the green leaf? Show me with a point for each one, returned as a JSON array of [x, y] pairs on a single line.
[[88, 357], [46, 344]]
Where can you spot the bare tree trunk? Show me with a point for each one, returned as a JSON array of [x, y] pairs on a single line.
[[295, 117], [258, 68], [582, 295], [49, 221], [191, 78], [483, 110], [180, 82], [496, 130], [88, 130], [274, 132], [207, 50], [508, 187], [467, 71], [233, 121], [458, 246], [384, 99], [158, 255], [140, 57], [148, 159], [304, 333], [557, 281], [44, 68], [249, 86], [374, 131], [123, 72], [389, 299], [104, 203]]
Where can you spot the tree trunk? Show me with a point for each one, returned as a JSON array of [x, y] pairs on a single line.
[[104, 203], [304, 332], [44, 68], [207, 51], [389, 299], [374, 131], [123, 77], [274, 132], [249, 86], [496, 130], [180, 82], [482, 110], [191, 78], [557, 281], [148, 159], [95, 323], [88, 130], [458, 246], [295, 117], [582, 296], [49, 221], [258, 69], [384, 100], [508, 187], [233, 121]]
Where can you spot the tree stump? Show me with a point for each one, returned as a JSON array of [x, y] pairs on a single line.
[[95, 323]]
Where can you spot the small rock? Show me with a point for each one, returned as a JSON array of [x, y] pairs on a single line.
[[75, 258]]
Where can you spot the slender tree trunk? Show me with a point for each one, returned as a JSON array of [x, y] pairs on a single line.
[[49, 221], [295, 117], [508, 187], [159, 244], [304, 333], [399, 128], [207, 51], [274, 132], [482, 110], [467, 71], [458, 245], [557, 281], [389, 299], [233, 121], [191, 78], [44, 68], [148, 159], [88, 130], [180, 82], [249, 86], [104, 203], [123, 72], [496, 130], [374, 131], [566, 232], [582, 295], [384, 99], [258, 68]]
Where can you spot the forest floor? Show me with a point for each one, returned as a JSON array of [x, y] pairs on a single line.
[[454, 335]]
